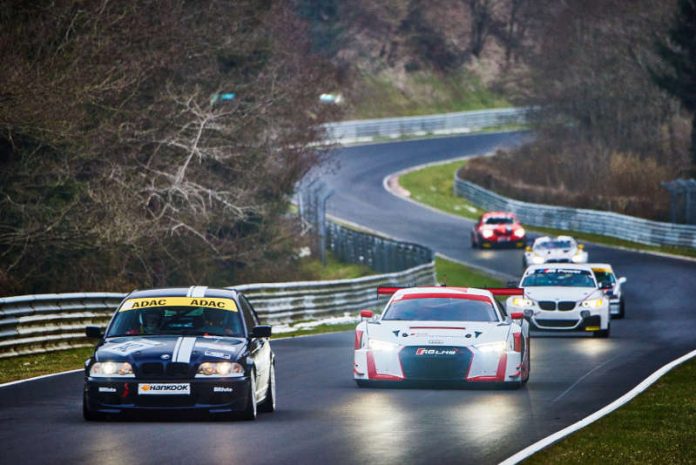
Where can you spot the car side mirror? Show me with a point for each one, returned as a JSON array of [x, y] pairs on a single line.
[[93, 332], [622, 280], [517, 315], [366, 313], [529, 313], [528, 248], [581, 246], [261, 331]]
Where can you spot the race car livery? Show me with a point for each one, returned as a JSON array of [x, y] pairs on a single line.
[[612, 287], [562, 297], [560, 249], [498, 229], [194, 349], [441, 334]]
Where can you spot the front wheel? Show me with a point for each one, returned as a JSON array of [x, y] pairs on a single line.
[[602, 333], [622, 309], [362, 383], [269, 403], [88, 414], [249, 413]]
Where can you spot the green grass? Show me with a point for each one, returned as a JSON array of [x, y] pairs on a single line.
[[433, 186], [333, 269], [28, 366], [455, 274], [426, 93], [658, 426]]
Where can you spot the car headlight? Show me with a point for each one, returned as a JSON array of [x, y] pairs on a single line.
[[578, 258], [112, 370], [592, 303], [487, 233], [522, 302], [220, 370], [376, 344], [519, 232], [537, 260], [491, 347]]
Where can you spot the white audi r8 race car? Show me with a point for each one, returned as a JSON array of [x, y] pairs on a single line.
[[612, 287], [436, 334], [562, 297], [560, 249]]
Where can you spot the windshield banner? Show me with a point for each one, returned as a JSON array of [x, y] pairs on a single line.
[[139, 304]]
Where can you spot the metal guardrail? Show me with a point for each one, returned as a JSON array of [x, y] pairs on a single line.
[[442, 124], [589, 221], [379, 253], [47, 322]]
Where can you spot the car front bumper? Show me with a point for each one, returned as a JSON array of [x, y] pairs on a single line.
[[118, 395]]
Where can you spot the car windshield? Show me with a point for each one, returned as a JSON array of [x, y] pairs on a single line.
[[605, 278], [559, 277], [440, 309], [195, 317], [555, 245], [498, 220]]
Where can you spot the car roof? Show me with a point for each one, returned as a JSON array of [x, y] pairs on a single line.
[[192, 291], [455, 292], [507, 214], [601, 267]]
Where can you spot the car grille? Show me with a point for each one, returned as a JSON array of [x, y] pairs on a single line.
[[566, 305], [435, 367], [556, 323], [165, 401], [164, 370], [558, 260], [547, 305]]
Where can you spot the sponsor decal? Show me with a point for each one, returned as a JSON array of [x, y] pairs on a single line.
[[216, 354], [213, 346], [155, 389], [396, 333], [436, 341], [222, 389], [125, 348], [107, 389], [137, 304], [477, 334], [425, 351]]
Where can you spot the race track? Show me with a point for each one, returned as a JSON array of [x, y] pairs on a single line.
[[324, 418]]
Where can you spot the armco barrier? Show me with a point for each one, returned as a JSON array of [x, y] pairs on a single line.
[[42, 323], [588, 221], [446, 123]]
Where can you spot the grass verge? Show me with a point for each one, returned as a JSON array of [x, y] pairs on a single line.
[[433, 186], [658, 426], [29, 366]]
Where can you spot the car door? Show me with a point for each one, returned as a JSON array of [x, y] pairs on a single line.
[[259, 348]]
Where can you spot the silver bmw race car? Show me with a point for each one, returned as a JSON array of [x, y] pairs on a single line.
[[562, 297], [436, 334], [560, 249]]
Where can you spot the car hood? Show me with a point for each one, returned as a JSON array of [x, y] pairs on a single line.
[[561, 293], [177, 349], [446, 333]]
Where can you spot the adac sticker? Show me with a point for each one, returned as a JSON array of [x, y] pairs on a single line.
[[208, 302]]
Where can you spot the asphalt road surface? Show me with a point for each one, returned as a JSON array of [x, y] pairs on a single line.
[[323, 418]]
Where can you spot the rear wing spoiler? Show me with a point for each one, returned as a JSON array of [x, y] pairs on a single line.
[[496, 291]]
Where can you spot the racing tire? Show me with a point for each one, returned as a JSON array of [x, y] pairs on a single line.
[[473, 243], [249, 413], [362, 383], [529, 360], [622, 310], [269, 403], [602, 333], [90, 415]]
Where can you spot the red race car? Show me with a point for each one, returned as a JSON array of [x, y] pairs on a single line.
[[498, 229]]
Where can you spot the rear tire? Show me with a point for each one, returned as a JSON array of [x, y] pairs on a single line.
[[269, 403], [249, 413], [473, 243], [362, 383]]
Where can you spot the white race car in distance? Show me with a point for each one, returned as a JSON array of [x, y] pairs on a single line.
[[560, 249], [562, 296], [436, 334], [612, 287]]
